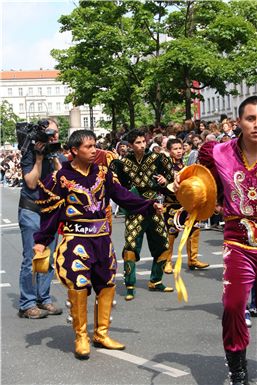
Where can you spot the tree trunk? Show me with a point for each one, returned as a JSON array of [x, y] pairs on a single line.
[[114, 119], [188, 103], [131, 109]]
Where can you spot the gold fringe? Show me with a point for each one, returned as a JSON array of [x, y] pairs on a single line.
[[51, 208]]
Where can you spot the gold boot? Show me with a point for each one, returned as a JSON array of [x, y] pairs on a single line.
[[78, 300], [192, 251], [103, 306], [168, 266]]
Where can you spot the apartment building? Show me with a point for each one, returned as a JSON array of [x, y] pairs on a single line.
[[38, 94], [215, 106]]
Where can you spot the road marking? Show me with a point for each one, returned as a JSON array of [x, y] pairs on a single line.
[[2, 271], [10, 225], [145, 272], [5, 220], [217, 252], [218, 266], [5, 285], [150, 258], [139, 361]]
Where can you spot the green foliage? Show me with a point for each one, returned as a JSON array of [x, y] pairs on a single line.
[[119, 57], [64, 125], [8, 120]]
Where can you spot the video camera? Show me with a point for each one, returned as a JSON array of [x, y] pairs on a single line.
[[30, 133]]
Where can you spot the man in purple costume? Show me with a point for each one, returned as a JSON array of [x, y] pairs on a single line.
[[234, 166], [77, 195]]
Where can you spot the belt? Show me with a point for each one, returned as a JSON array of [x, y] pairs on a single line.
[[29, 204], [87, 227]]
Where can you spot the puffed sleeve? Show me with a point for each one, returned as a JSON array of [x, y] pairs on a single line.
[[126, 199], [51, 203], [206, 158]]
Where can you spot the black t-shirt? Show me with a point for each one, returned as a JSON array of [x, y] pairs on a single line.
[[27, 163]]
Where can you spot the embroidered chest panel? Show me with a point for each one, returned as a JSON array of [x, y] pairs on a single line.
[[244, 191], [142, 173], [90, 198]]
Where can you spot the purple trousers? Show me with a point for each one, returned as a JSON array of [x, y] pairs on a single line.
[[86, 262], [240, 274]]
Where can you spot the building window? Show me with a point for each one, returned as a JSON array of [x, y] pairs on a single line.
[[208, 105], [30, 91], [247, 90], [255, 89], [235, 112], [40, 107], [66, 90], [228, 100], [94, 122], [20, 91], [39, 91], [9, 91], [21, 107], [49, 91], [32, 107], [203, 108], [57, 90], [223, 103], [241, 88], [218, 103], [49, 107], [85, 120], [213, 104], [58, 107]]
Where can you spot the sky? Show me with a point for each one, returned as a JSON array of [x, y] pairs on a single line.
[[29, 30]]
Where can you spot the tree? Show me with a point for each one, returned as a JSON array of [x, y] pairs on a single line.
[[119, 56], [8, 120], [63, 124], [206, 46]]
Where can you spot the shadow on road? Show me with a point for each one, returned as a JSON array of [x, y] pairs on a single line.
[[205, 370]]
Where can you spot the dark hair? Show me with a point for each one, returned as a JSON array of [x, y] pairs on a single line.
[[133, 134], [77, 137], [170, 143], [250, 100]]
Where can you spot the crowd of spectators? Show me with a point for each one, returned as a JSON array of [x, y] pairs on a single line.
[[11, 174], [191, 133]]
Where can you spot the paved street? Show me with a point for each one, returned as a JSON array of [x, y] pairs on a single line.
[[167, 342]]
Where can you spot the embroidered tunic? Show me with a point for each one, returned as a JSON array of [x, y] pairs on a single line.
[[79, 200], [237, 181]]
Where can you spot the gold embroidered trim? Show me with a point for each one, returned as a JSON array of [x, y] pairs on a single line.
[[51, 208], [80, 171], [49, 192], [246, 163], [88, 220], [240, 245], [86, 235]]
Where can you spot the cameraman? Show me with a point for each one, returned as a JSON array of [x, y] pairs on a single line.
[[35, 301]]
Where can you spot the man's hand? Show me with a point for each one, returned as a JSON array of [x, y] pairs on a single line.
[[38, 248], [176, 183], [158, 208], [39, 148], [160, 179]]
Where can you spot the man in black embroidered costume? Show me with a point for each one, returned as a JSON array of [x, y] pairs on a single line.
[[147, 174]]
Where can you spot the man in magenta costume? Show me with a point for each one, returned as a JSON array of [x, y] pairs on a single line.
[[77, 195], [234, 166]]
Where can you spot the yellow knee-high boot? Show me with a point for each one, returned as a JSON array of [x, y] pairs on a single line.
[[103, 306], [192, 251], [78, 300], [168, 266]]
